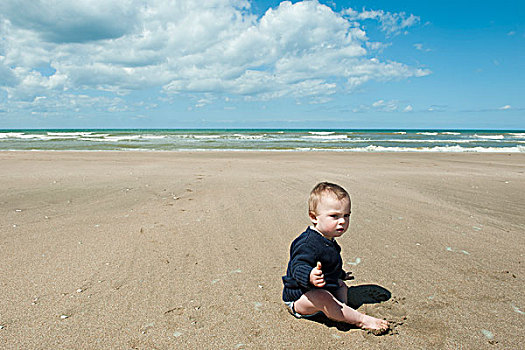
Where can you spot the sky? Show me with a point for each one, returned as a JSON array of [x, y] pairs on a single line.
[[262, 64]]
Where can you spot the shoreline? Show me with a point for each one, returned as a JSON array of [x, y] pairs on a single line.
[[350, 151]]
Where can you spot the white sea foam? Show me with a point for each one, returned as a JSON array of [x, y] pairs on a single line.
[[32, 136], [344, 140], [427, 133], [121, 138], [249, 137], [450, 133], [42, 137], [367, 140], [357, 140], [517, 134], [204, 136], [429, 141], [153, 137], [59, 137], [321, 133], [7, 135], [70, 133], [400, 132], [92, 139], [95, 135], [325, 137], [51, 138], [490, 137]]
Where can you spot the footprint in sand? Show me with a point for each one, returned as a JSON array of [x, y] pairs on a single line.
[[378, 302], [179, 310]]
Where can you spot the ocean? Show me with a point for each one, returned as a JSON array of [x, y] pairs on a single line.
[[339, 140]]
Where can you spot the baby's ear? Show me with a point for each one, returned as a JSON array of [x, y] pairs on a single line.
[[313, 217]]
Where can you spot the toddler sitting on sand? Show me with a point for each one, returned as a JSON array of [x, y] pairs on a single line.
[[314, 277]]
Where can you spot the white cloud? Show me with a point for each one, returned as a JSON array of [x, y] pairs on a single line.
[[437, 108], [377, 46], [7, 76], [408, 108], [420, 47], [505, 107], [378, 103], [64, 21], [391, 23], [301, 50], [203, 102], [379, 106]]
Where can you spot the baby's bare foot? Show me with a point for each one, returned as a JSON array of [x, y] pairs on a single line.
[[375, 325]]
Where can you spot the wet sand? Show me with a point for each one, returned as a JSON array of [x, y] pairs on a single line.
[[144, 250]]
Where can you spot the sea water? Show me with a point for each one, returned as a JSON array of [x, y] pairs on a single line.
[[264, 140]]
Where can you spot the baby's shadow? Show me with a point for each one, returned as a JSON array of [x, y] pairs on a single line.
[[367, 294], [357, 296]]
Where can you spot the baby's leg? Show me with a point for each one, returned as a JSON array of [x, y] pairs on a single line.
[[322, 300]]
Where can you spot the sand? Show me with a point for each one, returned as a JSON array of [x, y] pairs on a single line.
[[144, 250]]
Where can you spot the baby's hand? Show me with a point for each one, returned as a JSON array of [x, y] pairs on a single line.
[[316, 276]]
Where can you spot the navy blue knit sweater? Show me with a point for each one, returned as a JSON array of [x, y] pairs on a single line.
[[305, 251]]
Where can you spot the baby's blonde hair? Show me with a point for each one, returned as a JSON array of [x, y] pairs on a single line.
[[322, 189]]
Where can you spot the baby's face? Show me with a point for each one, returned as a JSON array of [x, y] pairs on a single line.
[[332, 216]]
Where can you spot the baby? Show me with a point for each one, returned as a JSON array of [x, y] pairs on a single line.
[[314, 278]]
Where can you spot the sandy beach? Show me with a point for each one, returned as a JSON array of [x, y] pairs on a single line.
[[175, 250]]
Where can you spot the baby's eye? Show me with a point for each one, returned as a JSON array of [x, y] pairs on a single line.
[[333, 216], [347, 215]]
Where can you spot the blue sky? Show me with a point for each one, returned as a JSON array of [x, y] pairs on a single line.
[[262, 64]]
